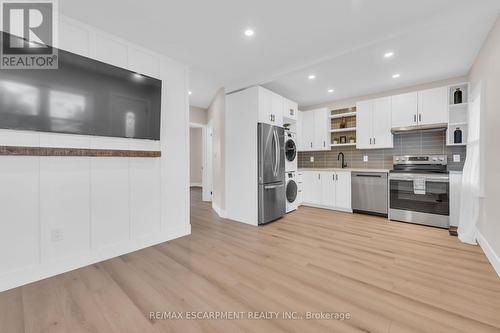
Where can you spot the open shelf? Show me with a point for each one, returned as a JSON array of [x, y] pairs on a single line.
[[342, 144], [343, 115], [342, 130]]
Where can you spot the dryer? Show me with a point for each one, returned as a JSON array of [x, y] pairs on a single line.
[[291, 192], [291, 153]]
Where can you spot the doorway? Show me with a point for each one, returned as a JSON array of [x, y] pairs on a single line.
[[200, 137]]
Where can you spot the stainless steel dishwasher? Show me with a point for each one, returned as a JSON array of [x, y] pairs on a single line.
[[369, 193]]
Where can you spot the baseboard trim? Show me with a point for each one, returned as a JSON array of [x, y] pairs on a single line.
[[219, 211], [46, 270], [326, 207], [493, 258]]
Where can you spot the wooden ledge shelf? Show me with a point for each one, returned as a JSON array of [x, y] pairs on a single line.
[[46, 151]]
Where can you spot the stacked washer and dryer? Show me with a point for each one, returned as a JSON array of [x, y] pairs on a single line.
[[291, 171]]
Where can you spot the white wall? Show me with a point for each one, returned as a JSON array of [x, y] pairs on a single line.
[[197, 115], [103, 207], [486, 69], [216, 122], [196, 156]]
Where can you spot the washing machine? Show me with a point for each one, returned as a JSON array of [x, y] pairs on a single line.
[[292, 191], [291, 154]]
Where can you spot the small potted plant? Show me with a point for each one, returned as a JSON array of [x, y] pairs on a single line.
[[335, 141], [352, 139]]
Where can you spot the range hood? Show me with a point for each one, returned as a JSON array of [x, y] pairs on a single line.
[[433, 127]]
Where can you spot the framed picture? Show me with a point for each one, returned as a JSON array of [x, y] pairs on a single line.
[[343, 139]]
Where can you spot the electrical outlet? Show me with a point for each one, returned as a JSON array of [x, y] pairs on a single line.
[[456, 158], [311, 159], [365, 158], [56, 235]]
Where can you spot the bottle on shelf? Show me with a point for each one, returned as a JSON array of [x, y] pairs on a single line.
[[457, 97], [457, 136]]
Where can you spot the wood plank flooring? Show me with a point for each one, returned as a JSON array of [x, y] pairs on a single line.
[[390, 277]]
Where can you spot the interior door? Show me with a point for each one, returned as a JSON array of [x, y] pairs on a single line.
[[364, 124], [432, 106], [382, 123], [405, 110], [343, 191], [328, 184]]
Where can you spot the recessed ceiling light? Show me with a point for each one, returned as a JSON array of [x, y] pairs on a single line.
[[389, 54], [190, 92], [331, 90], [249, 32], [395, 76], [311, 77]]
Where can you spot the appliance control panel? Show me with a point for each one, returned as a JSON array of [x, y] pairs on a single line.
[[421, 159]]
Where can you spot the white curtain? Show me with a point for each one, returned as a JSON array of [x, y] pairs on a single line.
[[471, 182]]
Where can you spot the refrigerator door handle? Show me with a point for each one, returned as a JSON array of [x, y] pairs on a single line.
[[276, 151]]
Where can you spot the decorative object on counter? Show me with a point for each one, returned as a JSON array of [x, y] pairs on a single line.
[[335, 141], [286, 126], [457, 97], [457, 135], [352, 139], [343, 139], [343, 122]]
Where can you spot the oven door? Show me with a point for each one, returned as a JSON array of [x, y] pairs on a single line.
[[429, 205]]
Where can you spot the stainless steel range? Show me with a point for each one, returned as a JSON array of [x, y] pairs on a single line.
[[419, 190]]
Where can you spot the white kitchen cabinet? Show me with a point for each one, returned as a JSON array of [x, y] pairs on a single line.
[[405, 110], [455, 197], [270, 107], [311, 187], [314, 130], [433, 106], [290, 109], [307, 130], [322, 139], [327, 189], [426, 107], [373, 128], [343, 190]]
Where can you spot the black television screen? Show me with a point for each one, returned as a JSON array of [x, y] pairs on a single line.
[[83, 96]]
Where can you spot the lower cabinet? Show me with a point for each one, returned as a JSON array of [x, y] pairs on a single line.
[[327, 189]]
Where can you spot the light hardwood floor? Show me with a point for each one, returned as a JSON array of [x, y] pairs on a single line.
[[391, 277]]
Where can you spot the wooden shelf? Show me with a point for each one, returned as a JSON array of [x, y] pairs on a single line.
[[453, 106], [456, 144], [342, 130], [457, 124], [342, 144], [343, 115]]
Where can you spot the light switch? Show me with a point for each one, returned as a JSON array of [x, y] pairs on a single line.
[[311, 159], [456, 158], [365, 158]]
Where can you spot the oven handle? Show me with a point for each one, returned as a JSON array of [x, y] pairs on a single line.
[[427, 179]]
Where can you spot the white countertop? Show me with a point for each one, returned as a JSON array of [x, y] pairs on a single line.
[[346, 169]]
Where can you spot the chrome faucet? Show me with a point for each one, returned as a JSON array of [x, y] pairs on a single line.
[[344, 165]]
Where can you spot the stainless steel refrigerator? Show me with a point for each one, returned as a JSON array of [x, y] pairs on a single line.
[[271, 161]]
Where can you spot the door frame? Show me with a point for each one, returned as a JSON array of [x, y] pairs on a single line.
[[206, 137]]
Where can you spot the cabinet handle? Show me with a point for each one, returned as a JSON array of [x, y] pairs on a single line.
[[370, 140], [374, 141], [336, 177], [324, 143], [319, 176], [292, 112], [333, 176], [420, 117], [311, 144], [271, 117], [414, 118]]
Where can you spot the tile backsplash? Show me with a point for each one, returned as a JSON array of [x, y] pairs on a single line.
[[414, 143]]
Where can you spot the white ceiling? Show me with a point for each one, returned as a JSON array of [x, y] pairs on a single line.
[[341, 41]]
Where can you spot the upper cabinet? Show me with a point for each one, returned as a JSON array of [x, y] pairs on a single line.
[[290, 110], [405, 110], [426, 107], [374, 123], [433, 106], [314, 132], [270, 107]]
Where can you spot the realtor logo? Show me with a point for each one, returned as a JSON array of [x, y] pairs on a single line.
[[28, 34]]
